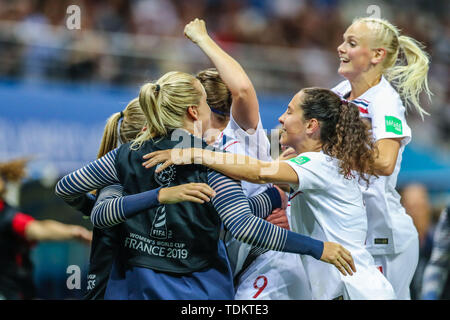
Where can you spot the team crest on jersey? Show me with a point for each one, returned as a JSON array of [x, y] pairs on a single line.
[[165, 177]]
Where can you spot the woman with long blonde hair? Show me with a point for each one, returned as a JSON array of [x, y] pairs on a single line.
[[123, 127], [173, 251], [385, 72]]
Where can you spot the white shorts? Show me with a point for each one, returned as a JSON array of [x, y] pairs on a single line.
[[274, 276], [399, 268], [367, 284]]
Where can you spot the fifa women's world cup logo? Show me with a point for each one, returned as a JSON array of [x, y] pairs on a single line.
[[159, 225]]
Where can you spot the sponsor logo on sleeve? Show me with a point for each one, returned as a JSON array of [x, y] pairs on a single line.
[[300, 160], [393, 125]]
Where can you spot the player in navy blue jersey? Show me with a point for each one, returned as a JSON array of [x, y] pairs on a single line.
[[173, 251], [123, 127]]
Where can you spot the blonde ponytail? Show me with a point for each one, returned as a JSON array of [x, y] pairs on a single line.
[[411, 78], [109, 139], [164, 104], [133, 120], [408, 75]]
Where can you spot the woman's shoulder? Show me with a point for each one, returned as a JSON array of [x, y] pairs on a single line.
[[386, 97], [311, 159]]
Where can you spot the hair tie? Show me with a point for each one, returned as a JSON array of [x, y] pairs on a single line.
[[218, 111], [121, 114], [158, 87]]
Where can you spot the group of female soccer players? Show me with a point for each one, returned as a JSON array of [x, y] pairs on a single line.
[[182, 205]]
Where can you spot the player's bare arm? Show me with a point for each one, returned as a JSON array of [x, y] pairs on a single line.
[[245, 108]]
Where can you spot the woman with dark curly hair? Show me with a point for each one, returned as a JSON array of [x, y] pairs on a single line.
[[335, 152]]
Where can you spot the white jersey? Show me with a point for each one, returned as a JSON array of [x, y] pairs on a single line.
[[391, 229], [255, 144], [274, 275], [328, 207]]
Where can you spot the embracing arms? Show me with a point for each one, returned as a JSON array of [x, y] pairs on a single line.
[[237, 166]]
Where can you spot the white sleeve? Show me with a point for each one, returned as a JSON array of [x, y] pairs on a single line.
[[254, 142], [342, 88], [388, 120], [310, 173]]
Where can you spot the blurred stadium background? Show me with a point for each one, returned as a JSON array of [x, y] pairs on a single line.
[[58, 86]]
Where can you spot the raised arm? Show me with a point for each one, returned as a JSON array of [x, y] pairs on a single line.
[[245, 107]]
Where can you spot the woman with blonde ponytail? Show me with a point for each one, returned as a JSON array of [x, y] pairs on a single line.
[[132, 121], [385, 72], [122, 127], [172, 250]]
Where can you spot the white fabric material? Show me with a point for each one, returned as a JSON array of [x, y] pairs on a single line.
[[276, 276], [399, 268], [328, 207], [284, 272], [390, 228]]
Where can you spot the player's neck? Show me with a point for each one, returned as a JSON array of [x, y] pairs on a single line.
[[363, 83], [310, 145], [218, 124]]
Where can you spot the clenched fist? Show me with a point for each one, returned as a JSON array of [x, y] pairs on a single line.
[[196, 31]]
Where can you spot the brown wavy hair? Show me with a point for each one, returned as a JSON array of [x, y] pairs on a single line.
[[342, 131], [218, 96]]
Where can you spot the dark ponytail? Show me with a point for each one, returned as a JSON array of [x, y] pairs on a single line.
[[342, 131]]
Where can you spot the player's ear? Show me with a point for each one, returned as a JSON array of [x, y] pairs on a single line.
[[312, 126], [378, 55], [193, 112]]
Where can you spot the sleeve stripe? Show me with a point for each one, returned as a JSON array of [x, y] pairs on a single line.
[[96, 175], [234, 210], [108, 210]]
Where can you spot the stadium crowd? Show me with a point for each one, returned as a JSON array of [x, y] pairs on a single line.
[[128, 39]]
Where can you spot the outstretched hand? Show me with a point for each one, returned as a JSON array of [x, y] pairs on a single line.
[[194, 192], [196, 30], [340, 257], [81, 234], [171, 156]]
